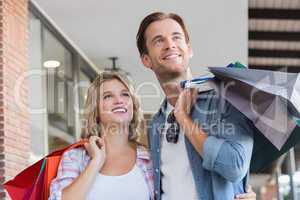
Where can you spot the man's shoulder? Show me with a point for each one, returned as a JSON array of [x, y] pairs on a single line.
[[207, 95], [210, 92], [155, 117]]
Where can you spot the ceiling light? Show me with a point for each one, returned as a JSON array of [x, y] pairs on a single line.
[[51, 64]]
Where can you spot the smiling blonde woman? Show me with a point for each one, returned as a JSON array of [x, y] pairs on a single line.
[[112, 165]]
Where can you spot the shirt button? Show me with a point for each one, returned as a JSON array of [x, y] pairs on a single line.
[[156, 170], [157, 150], [156, 192]]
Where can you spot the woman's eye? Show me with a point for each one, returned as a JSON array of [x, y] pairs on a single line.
[[107, 96], [126, 94]]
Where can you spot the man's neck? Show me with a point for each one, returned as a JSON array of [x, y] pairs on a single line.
[[171, 87]]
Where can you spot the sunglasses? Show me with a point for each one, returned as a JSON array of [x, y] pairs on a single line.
[[172, 133]]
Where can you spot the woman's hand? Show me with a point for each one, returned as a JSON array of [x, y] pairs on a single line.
[[249, 195], [80, 186], [184, 104], [96, 150]]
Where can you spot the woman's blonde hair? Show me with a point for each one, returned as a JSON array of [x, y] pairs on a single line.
[[92, 124]]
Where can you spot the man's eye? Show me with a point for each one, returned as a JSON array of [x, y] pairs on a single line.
[[158, 41], [177, 37]]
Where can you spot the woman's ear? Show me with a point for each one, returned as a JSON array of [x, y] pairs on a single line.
[[191, 54]]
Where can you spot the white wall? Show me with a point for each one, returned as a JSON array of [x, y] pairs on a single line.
[[218, 32], [104, 28]]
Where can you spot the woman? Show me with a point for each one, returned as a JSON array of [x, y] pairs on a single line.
[[112, 165]]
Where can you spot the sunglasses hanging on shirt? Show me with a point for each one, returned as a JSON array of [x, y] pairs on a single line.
[[172, 133]]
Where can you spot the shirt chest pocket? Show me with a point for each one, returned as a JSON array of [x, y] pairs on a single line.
[[209, 120]]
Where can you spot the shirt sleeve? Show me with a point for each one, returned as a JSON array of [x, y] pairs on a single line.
[[68, 169], [229, 152]]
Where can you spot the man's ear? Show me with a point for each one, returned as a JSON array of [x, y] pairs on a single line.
[[190, 51], [146, 61]]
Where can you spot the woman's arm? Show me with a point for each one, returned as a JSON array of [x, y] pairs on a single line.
[[79, 188], [71, 181]]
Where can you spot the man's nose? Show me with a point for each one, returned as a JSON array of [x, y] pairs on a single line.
[[169, 44]]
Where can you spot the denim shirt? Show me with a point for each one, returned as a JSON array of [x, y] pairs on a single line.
[[223, 170]]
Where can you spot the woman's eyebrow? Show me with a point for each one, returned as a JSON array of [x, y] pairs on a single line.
[[125, 90], [106, 92]]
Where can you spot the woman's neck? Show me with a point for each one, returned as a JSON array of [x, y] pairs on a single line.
[[116, 140]]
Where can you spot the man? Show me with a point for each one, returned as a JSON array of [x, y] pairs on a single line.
[[200, 145]]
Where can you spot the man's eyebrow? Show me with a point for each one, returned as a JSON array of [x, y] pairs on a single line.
[[160, 36], [156, 37], [177, 33]]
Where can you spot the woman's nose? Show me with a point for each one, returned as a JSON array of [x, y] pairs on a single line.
[[119, 100]]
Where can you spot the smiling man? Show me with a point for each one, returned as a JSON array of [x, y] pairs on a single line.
[[192, 156]]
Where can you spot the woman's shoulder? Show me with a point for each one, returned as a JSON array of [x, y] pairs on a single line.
[[143, 152], [74, 151], [78, 153]]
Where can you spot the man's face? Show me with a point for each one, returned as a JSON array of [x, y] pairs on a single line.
[[168, 52]]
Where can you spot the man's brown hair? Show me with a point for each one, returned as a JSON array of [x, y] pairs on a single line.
[[153, 17]]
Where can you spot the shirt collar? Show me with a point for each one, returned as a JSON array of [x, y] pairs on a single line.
[[163, 106], [207, 86], [142, 153]]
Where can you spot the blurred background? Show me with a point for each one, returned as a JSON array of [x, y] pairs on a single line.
[[51, 50]]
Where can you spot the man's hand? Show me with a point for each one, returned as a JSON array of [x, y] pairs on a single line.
[[250, 195], [182, 111], [184, 104]]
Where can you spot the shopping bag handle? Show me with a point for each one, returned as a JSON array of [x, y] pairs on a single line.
[[72, 146], [77, 144]]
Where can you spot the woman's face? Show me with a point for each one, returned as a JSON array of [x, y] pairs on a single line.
[[116, 105]]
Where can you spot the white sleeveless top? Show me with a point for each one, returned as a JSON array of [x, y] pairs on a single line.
[[131, 186]]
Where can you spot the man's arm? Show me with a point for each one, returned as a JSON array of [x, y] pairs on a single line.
[[249, 195], [228, 153], [194, 133]]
